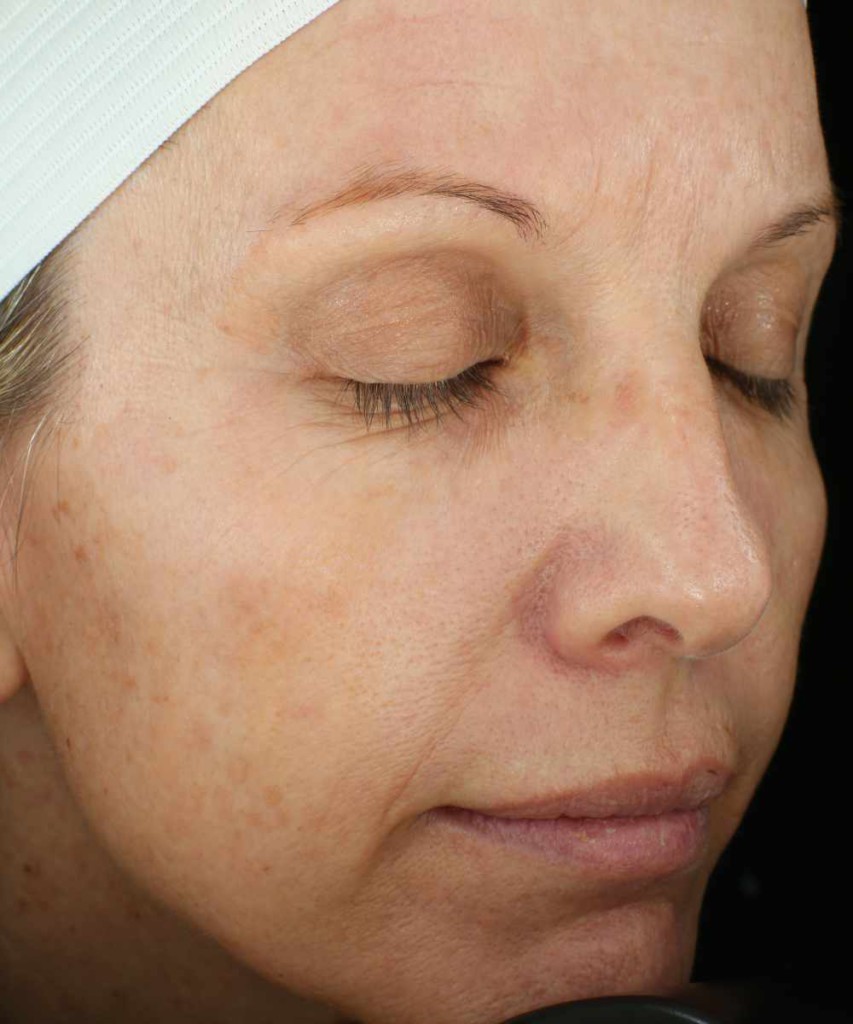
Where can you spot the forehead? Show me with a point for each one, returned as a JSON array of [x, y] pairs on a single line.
[[641, 128], [640, 102]]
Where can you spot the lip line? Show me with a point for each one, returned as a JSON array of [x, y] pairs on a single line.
[[637, 795]]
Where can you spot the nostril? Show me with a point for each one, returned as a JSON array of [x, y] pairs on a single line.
[[644, 626]]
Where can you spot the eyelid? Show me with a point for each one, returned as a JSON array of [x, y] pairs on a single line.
[[470, 388]]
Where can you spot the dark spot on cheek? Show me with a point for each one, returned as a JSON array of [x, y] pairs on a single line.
[[238, 769], [68, 742], [627, 392], [272, 796], [80, 553], [112, 625], [200, 735], [61, 508], [129, 682], [32, 869]]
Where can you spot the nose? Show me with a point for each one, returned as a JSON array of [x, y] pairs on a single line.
[[675, 559]]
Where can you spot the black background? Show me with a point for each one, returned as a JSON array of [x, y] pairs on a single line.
[[780, 903]]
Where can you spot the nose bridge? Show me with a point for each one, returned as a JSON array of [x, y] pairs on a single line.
[[691, 514], [686, 565], [698, 537]]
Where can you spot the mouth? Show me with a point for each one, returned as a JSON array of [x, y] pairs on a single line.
[[633, 826], [626, 796]]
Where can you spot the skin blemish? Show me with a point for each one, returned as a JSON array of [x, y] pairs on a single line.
[[112, 626], [307, 712], [129, 682], [200, 736], [81, 555], [626, 394], [238, 769], [272, 796], [61, 508], [167, 464]]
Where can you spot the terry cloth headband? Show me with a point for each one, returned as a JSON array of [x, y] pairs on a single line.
[[90, 88]]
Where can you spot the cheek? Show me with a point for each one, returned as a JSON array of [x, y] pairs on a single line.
[[784, 489], [218, 685]]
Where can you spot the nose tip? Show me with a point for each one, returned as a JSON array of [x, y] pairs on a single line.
[[699, 623], [633, 611]]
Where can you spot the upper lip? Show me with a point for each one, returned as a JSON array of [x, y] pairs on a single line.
[[634, 795]]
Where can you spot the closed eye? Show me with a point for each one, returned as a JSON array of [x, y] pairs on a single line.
[[468, 389]]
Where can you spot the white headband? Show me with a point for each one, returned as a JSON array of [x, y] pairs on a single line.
[[90, 88]]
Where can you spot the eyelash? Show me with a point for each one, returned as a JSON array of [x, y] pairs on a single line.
[[468, 388], [775, 395]]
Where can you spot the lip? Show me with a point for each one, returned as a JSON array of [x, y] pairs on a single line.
[[631, 827], [625, 796], [611, 849]]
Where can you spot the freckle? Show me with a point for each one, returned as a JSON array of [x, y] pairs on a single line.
[[266, 868], [75, 443], [626, 393], [129, 682], [68, 742], [306, 711], [201, 736], [33, 869], [112, 625], [254, 819], [160, 698], [24, 756], [226, 328], [238, 769], [80, 553], [272, 796], [63, 508]]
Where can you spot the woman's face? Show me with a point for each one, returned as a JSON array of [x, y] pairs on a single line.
[[267, 638]]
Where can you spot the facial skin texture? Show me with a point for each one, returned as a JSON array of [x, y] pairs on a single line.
[[252, 643]]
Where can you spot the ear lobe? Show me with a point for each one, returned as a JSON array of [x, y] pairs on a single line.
[[13, 668]]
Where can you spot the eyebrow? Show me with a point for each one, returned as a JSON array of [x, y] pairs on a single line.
[[372, 182]]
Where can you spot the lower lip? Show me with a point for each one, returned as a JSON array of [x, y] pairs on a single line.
[[643, 847]]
